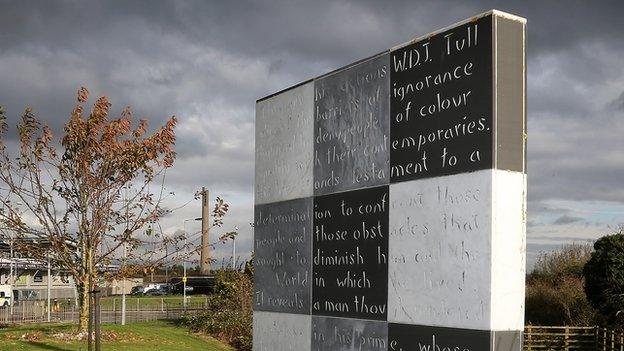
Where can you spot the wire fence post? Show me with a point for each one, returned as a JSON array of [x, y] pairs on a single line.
[[90, 330], [98, 321], [114, 310]]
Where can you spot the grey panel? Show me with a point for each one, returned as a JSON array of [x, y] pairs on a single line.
[[507, 340], [510, 95], [333, 334], [281, 332], [284, 145], [351, 127], [282, 263]]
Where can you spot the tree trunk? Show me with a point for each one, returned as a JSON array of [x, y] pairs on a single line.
[[85, 285], [83, 306]]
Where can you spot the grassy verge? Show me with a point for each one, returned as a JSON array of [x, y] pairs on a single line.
[[144, 301], [152, 336], [150, 301]]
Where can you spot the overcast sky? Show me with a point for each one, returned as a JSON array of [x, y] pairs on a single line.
[[208, 61]]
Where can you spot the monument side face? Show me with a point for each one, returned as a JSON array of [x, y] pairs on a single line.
[[391, 199]]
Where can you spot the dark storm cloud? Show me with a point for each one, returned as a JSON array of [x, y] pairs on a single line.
[[618, 103], [565, 219], [208, 61]]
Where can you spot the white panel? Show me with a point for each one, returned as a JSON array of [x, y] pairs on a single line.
[[508, 250], [284, 145], [281, 332], [440, 241]]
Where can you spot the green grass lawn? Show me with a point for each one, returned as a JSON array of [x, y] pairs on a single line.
[[151, 336]]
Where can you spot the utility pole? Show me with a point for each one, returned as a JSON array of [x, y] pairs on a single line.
[[234, 249], [234, 253], [204, 263]]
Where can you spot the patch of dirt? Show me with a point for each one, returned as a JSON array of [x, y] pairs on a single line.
[[75, 336], [28, 336]]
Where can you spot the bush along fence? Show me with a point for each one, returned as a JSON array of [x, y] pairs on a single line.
[[137, 310], [540, 338]]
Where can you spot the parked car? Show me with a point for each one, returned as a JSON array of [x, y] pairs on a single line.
[[152, 286], [194, 285], [137, 290]]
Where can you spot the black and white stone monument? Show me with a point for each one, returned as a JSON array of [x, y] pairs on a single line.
[[390, 199]]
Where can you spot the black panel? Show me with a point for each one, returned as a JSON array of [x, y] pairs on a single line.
[[282, 256], [441, 103], [350, 254], [403, 337], [336, 334], [351, 127]]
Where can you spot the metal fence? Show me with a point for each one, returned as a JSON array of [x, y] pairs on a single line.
[[110, 312]]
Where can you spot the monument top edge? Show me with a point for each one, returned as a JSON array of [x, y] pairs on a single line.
[[492, 12]]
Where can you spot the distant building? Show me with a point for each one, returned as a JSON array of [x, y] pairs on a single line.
[[30, 279]]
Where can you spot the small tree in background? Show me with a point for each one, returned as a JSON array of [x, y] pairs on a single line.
[[81, 202], [554, 289], [228, 315], [604, 276]]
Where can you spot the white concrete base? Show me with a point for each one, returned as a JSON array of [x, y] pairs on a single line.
[[509, 250]]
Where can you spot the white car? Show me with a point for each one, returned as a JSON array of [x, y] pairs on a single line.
[[152, 286]]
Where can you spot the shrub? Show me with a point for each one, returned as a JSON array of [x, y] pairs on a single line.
[[554, 291], [228, 315]]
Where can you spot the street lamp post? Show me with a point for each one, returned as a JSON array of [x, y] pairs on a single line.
[[184, 261], [123, 288], [12, 274], [49, 281], [123, 261]]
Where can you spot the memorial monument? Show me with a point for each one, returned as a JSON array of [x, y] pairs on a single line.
[[390, 199]]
